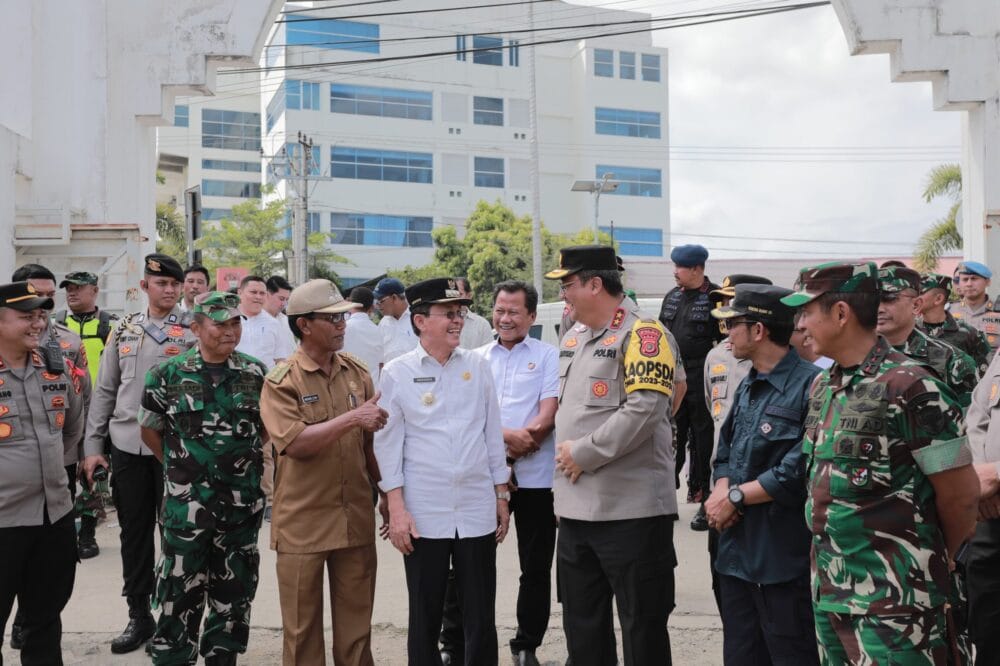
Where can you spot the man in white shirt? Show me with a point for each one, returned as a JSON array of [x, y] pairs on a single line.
[[278, 291], [397, 332], [477, 331], [196, 281], [362, 337], [526, 378], [261, 337], [442, 460]]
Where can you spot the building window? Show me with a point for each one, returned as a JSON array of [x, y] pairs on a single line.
[[374, 229], [604, 62], [487, 110], [294, 158], [489, 172], [487, 50], [650, 67], [633, 181], [332, 34], [514, 53], [216, 213], [638, 242], [314, 223], [181, 115], [624, 122], [294, 95], [231, 165], [232, 130], [626, 64], [460, 53], [230, 188], [390, 165], [383, 102]]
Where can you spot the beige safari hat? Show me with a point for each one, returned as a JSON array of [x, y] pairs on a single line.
[[318, 296]]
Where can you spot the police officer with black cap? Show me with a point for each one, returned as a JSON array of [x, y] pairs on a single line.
[[686, 311], [140, 341], [41, 412]]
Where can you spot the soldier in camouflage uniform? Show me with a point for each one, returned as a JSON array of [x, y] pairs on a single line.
[[892, 493], [200, 415], [935, 321], [897, 322]]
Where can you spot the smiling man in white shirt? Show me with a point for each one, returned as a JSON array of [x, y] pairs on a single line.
[[444, 471], [261, 337]]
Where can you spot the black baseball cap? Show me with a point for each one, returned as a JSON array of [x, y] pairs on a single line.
[[760, 302], [23, 297], [585, 258]]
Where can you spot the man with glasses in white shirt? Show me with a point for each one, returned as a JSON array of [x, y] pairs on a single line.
[[443, 466]]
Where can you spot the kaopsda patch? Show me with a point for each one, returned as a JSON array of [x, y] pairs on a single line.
[[649, 362]]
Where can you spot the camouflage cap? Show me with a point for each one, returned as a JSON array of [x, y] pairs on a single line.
[[79, 278], [930, 281], [842, 277], [894, 279], [217, 305]]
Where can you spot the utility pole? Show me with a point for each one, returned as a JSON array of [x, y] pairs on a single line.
[[300, 229], [536, 202]]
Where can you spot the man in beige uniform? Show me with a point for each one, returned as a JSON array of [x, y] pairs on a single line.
[[320, 410], [614, 486], [140, 341], [976, 308], [41, 412]]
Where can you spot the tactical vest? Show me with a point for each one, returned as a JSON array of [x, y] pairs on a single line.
[[695, 333], [94, 332]]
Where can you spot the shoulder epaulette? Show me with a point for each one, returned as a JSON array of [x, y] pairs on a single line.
[[122, 325], [354, 359], [278, 372]]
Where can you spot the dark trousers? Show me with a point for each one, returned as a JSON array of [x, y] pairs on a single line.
[[137, 491], [535, 522], [38, 566], [694, 431], [630, 560], [713, 553], [767, 624], [983, 575], [475, 562]]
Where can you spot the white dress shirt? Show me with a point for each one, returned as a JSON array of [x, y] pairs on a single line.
[[363, 339], [262, 339], [397, 336], [524, 376], [476, 332], [443, 443], [289, 343]]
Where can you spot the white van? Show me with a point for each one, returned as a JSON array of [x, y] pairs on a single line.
[[549, 319]]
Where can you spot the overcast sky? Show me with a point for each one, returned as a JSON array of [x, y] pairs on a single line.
[[787, 85]]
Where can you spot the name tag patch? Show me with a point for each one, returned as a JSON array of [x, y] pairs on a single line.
[[309, 399], [423, 380]]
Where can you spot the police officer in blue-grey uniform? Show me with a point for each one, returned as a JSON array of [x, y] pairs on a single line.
[[686, 312]]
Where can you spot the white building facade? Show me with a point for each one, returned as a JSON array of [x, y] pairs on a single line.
[[405, 141]]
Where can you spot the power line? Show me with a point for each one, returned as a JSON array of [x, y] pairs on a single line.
[[728, 16], [344, 6], [412, 11]]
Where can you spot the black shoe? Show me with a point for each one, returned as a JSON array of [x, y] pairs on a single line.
[[447, 659], [86, 541], [700, 521], [140, 628], [16, 636], [221, 659], [525, 658]]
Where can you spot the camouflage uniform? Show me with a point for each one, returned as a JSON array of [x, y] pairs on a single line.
[[874, 433], [956, 333], [213, 501]]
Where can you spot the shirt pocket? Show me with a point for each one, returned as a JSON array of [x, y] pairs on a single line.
[[11, 429], [55, 410], [778, 431], [246, 422], [603, 391], [188, 417], [127, 357]]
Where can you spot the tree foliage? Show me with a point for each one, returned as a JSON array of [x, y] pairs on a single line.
[[942, 236], [170, 234], [496, 247]]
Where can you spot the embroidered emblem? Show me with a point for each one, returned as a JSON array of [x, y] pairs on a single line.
[[427, 399], [571, 343], [64, 345], [618, 319], [60, 420], [4, 410], [531, 366], [124, 350], [51, 376], [58, 402], [994, 388], [860, 476], [599, 389], [466, 375], [5, 430], [607, 342], [765, 428], [176, 332], [649, 341], [172, 350]]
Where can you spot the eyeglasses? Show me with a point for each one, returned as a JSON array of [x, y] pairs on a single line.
[[331, 318], [380, 301], [452, 315], [733, 323], [566, 286]]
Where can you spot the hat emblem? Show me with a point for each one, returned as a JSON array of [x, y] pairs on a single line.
[[31, 289], [452, 284], [153, 265]]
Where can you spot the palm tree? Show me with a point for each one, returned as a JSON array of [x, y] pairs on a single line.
[[943, 235]]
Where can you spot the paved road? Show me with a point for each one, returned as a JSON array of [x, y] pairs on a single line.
[[97, 612]]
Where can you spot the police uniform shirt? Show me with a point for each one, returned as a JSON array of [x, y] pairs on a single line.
[[72, 349], [41, 414], [443, 442], [324, 502], [723, 374], [620, 435], [983, 416], [524, 376], [131, 350], [397, 336], [983, 318]]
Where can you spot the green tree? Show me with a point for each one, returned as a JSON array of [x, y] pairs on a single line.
[[170, 234], [943, 236], [496, 247]]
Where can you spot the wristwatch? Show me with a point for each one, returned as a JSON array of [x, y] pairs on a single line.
[[736, 497], [504, 495]]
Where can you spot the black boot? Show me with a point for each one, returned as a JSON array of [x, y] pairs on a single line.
[[86, 541], [140, 628], [221, 659]]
